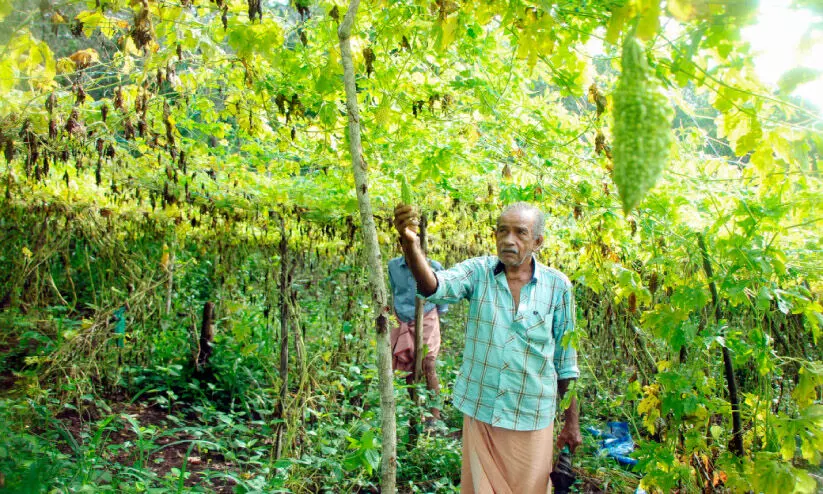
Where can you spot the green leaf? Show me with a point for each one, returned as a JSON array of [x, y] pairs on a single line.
[[6, 8], [616, 23], [795, 77], [682, 10], [806, 484], [92, 20], [447, 32], [649, 22], [8, 80], [260, 38], [811, 376]]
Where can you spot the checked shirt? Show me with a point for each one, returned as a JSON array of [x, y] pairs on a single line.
[[512, 360]]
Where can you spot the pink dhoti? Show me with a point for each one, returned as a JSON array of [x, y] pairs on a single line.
[[402, 341], [503, 461]]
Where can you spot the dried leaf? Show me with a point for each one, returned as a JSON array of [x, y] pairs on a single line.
[[84, 58]]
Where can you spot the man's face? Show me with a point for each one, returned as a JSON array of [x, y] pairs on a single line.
[[515, 237]]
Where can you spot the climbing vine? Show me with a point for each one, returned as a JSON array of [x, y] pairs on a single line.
[[182, 140]]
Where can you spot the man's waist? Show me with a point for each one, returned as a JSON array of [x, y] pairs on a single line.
[[408, 316]]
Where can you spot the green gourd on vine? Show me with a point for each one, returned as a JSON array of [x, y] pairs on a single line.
[[642, 126], [406, 196]]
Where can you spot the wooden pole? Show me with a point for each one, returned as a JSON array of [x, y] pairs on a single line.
[[417, 373], [284, 335], [736, 444], [419, 305], [206, 336], [170, 283], [388, 462]]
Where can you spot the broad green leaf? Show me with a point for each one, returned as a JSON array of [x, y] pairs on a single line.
[[93, 20], [682, 10], [7, 79], [616, 22], [260, 38], [806, 484], [649, 22], [795, 77], [447, 32], [6, 8], [811, 376]]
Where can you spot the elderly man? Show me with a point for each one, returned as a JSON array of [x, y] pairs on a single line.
[[515, 367]]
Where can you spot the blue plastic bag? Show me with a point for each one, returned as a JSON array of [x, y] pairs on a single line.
[[616, 442]]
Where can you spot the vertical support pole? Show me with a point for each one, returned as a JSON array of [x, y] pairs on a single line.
[[419, 305], [284, 335], [388, 462], [736, 444]]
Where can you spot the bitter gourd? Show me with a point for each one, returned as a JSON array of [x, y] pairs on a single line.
[[642, 127], [406, 196]]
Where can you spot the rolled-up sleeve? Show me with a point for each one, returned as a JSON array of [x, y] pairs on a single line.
[[565, 356], [441, 308], [455, 284]]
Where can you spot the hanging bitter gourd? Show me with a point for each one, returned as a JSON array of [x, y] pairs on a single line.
[[406, 196], [642, 126]]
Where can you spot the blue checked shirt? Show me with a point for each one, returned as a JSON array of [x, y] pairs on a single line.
[[512, 360]]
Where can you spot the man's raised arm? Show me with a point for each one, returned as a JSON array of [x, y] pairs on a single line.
[[405, 221]]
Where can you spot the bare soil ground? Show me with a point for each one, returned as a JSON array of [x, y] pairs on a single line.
[[169, 447]]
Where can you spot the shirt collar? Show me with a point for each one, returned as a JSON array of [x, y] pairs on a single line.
[[500, 267]]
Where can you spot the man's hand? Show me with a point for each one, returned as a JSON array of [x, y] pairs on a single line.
[[406, 220], [569, 435]]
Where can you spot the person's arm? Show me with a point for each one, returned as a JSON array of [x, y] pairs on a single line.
[[405, 221], [565, 364], [570, 433], [441, 308]]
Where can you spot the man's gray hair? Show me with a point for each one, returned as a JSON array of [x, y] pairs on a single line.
[[519, 207]]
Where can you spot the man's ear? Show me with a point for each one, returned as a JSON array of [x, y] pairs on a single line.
[[538, 243]]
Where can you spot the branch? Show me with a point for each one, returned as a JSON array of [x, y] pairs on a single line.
[[344, 31]]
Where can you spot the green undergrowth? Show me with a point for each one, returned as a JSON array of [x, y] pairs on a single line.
[[162, 427], [85, 408]]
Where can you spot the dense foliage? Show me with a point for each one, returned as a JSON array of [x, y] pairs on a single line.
[[159, 157]]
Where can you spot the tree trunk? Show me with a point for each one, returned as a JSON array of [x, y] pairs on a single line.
[[284, 335], [376, 276], [736, 444], [170, 283], [206, 336], [300, 358]]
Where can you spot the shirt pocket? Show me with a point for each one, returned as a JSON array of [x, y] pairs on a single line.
[[538, 327]]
